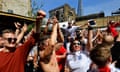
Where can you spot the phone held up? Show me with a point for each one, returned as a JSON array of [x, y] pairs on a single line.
[[92, 22]]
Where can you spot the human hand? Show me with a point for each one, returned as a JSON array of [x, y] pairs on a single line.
[[40, 14], [49, 21], [25, 27], [55, 21], [17, 25], [36, 65]]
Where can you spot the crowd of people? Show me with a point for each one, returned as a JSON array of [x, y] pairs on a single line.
[[75, 49]]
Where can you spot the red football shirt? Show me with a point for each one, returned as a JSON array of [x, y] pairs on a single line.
[[61, 62], [15, 61]]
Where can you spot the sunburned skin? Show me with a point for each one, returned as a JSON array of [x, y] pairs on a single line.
[[50, 66], [48, 60]]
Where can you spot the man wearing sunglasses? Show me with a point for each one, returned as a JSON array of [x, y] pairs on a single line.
[[12, 58]]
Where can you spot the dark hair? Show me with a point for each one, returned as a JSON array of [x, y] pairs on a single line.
[[42, 38], [116, 54], [71, 45], [118, 63]]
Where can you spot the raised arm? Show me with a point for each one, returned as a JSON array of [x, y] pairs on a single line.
[[83, 25], [40, 15], [53, 37], [21, 35], [60, 37], [46, 53], [18, 27], [46, 28], [52, 40], [98, 35], [90, 35], [117, 24]]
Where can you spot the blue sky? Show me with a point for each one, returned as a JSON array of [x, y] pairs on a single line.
[[88, 6]]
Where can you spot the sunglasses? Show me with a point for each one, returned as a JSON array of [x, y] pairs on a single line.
[[11, 39], [76, 43]]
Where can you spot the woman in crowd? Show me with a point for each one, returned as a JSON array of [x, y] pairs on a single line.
[[77, 60]]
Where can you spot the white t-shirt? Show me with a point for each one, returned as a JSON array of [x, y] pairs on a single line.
[[78, 62], [72, 31], [113, 68]]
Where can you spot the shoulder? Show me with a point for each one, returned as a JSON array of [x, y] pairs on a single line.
[[114, 69], [70, 55], [58, 46]]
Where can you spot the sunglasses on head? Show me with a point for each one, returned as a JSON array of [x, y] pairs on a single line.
[[11, 39], [77, 43]]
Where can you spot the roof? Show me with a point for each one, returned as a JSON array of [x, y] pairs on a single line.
[[6, 14]]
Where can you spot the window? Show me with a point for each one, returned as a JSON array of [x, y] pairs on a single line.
[[10, 11]]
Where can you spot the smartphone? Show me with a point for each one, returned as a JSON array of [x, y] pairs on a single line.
[[92, 23]]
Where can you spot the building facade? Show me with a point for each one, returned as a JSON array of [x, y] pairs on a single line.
[[101, 21], [63, 13], [20, 7]]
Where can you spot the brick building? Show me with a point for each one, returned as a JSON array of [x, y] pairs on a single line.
[[63, 13]]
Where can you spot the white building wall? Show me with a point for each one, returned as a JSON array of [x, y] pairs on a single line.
[[21, 7]]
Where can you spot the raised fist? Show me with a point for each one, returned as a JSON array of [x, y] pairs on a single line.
[[41, 14]]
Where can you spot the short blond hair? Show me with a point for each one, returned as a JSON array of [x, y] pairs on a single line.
[[8, 31], [100, 55]]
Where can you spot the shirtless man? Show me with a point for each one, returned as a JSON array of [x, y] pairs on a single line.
[[48, 61]]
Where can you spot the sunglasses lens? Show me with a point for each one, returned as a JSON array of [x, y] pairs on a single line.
[[76, 43], [15, 39], [10, 40]]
